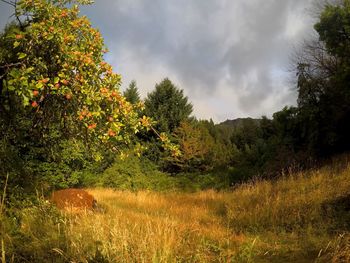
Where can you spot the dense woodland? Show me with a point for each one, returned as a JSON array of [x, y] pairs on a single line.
[[65, 123]]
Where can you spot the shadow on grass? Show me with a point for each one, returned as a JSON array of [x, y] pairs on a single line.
[[339, 211]]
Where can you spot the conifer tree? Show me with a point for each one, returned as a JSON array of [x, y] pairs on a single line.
[[131, 94]]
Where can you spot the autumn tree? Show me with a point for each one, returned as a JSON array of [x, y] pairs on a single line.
[[56, 91], [196, 146]]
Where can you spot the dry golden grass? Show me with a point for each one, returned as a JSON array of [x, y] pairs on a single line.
[[262, 221], [300, 218], [153, 227]]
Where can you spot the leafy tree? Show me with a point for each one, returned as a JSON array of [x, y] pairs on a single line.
[[285, 144], [246, 134], [196, 146], [168, 106], [222, 151], [334, 29], [323, 72], [56, 90], [131, 94]]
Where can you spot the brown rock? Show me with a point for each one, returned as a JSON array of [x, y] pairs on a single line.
[[76, 199]]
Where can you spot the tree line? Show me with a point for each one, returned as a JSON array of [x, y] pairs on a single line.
[[62, 113]]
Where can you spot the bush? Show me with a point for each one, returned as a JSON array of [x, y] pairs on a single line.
[[132, 173]]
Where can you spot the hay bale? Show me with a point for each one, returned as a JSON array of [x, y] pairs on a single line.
[[73, 199]]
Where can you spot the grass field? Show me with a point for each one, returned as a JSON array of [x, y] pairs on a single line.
[[303, 218]]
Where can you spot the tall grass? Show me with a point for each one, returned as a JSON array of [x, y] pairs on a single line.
[[2, 206], [304, 217]]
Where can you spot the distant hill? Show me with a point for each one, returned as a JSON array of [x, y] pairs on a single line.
[[237, 123], [228, 127]]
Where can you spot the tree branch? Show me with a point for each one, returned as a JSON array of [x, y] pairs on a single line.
[[9, 3], [11, 64], [8, 66]]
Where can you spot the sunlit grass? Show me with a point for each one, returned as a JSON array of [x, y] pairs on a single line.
[[300, 218], [146, 227]]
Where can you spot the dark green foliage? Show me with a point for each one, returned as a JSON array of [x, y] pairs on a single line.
[[131, 93], [218, 179], [334, 29], [323, 84], [238, 123], [270, 146], [133, 174], [168, 106]]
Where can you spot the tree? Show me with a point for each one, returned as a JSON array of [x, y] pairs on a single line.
[[56, 91], [69, 74], [196, 146], [334, 29], [131, 94], [323, 71], [168, 106]]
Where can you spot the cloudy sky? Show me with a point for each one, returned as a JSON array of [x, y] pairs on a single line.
[[231, 57]]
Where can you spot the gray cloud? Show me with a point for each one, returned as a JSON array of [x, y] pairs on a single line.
[[229, 56], [5, 14]]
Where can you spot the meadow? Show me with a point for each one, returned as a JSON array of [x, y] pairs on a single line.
[[171, 187], [300, 218]]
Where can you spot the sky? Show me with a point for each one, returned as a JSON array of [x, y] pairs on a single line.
[[232, 58]]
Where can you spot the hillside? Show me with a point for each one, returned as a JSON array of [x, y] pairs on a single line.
[[302, 218], [230, 127], [238, 123]]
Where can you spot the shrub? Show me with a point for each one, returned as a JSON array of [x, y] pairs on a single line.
[[133, 173]]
